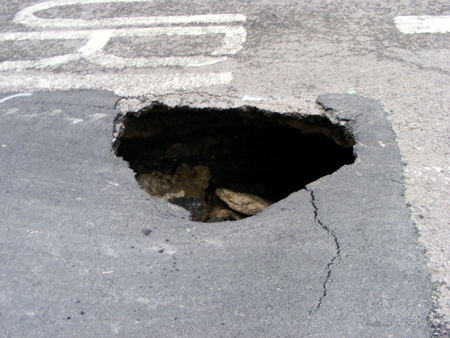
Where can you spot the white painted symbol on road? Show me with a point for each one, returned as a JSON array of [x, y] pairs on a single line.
[[423, 24], [27, 17], [234, 35], [97, 40]]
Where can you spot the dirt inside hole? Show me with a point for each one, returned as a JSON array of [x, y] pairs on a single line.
[[228, 164]]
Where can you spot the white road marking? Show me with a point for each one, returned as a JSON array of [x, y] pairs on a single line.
[[116, 62], [52, 113], [423, 24], [39, 64], [98, 40], [15, 73], [129, 84], [234, 37], [14, 96], [11, 111], [74, 120], [27, 116], [97, 116], [27, 17]]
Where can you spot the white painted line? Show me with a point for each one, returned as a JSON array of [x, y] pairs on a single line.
[[13, 96], [423, 24], [234, 37], [123, 84], [232, 43], [11, 111], [27, 17], [97, 116], [38, 64], [74, 120], [117, 62], [98, 40]]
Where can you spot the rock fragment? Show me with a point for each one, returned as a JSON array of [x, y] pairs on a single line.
[[186, 182], [219, 214], [160, 185], [247, 204], [187, 187], [193, 180]]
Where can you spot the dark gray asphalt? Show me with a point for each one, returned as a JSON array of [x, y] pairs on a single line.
[[339, 259]]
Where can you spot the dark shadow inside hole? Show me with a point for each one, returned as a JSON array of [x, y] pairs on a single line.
[[184, 155]]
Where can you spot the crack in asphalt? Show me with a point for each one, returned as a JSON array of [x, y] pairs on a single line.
[[337, 256]]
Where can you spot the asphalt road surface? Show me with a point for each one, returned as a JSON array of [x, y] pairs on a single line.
[[68, 263]]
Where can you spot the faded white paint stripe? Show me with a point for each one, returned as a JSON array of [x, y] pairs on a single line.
[[153, 31], [234, 37], [117, 62], [423, 24], [14, 96], [122, 84], [38, 64], [27, 17]]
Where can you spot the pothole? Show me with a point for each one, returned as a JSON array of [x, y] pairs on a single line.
[[228, 164]]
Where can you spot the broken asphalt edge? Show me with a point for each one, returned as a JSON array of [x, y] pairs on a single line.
[[363, 118], [360, 115], [378, 286]]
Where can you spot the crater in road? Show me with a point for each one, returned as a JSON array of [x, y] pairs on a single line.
[[228, 164]]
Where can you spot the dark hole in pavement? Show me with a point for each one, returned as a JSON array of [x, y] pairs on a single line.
[[227, 164]]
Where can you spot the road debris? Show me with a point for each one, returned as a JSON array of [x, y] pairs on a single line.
[[188, 188], [246, 204]]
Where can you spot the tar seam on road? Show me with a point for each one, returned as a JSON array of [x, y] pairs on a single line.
[[332, 262]]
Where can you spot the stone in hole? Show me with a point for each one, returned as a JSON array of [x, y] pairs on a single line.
[[228, 164]]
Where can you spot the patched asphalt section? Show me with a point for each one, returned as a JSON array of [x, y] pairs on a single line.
[[85, 251]]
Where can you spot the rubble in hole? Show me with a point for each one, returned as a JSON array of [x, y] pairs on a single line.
[[228, 164], [188, 187]]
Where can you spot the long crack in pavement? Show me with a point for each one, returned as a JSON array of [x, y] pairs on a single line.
[[329, 267]]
